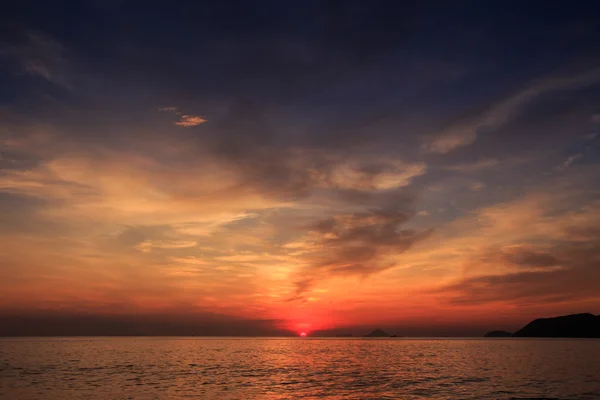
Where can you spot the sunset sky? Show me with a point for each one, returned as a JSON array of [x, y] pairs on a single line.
[[272, 166]]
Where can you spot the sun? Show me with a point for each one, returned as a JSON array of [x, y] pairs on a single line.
[[302, 334]]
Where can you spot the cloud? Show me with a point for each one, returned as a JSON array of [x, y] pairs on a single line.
[[190, 260], [502, 112], [530, 258], [477, 186], [247, 139], [131, 186], [451, 140], [149, 245], [547, 257], [575, 280], [185, 120], [379, 175], [520, 256], [474, 166], [39, 55], [569, 161], [294, 185], [361, 243], [168, 109], [190, 120]]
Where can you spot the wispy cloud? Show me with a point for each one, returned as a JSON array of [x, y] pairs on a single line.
[[474, 166], [566, 271], [380, 175], [569, 161], [450, 140], [41, 56], [541, 249], [149, 245], [477, 186], [168, 109], [502, 112]]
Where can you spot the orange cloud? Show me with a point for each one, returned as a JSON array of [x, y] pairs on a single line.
[[122, 230], [190, 120]]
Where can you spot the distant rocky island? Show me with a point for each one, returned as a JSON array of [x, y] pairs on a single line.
[[379, 333], [566, 326]]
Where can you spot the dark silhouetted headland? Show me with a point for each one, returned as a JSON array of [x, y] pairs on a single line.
[[498, 334], [568, 326]]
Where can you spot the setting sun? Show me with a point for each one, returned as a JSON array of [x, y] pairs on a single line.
[[302, 334]]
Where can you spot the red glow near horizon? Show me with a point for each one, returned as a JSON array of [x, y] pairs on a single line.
[[302, 334]]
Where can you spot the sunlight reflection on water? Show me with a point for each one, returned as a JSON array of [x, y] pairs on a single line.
[[217, 368]]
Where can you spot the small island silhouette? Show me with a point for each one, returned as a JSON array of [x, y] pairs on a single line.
[[568, 326], [378, 333]]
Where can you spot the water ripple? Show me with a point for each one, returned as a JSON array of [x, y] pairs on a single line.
[[290, 369]]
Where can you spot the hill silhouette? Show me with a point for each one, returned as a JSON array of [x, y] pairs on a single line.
[[571, 326]]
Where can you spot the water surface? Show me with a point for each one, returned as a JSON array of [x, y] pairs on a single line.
[[251, 368]]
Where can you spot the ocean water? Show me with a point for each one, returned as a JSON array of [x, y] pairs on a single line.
[[251, 368]]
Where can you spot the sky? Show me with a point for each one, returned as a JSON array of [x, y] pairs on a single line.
[[268, 167]]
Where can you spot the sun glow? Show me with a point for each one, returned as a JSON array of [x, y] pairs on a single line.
[[302, 334]]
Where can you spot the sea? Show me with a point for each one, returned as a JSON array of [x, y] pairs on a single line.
[[296, 368]]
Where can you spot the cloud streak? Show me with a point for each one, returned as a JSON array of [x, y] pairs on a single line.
[[557, 265], [41, 56], [504, 111], [188, 121]]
